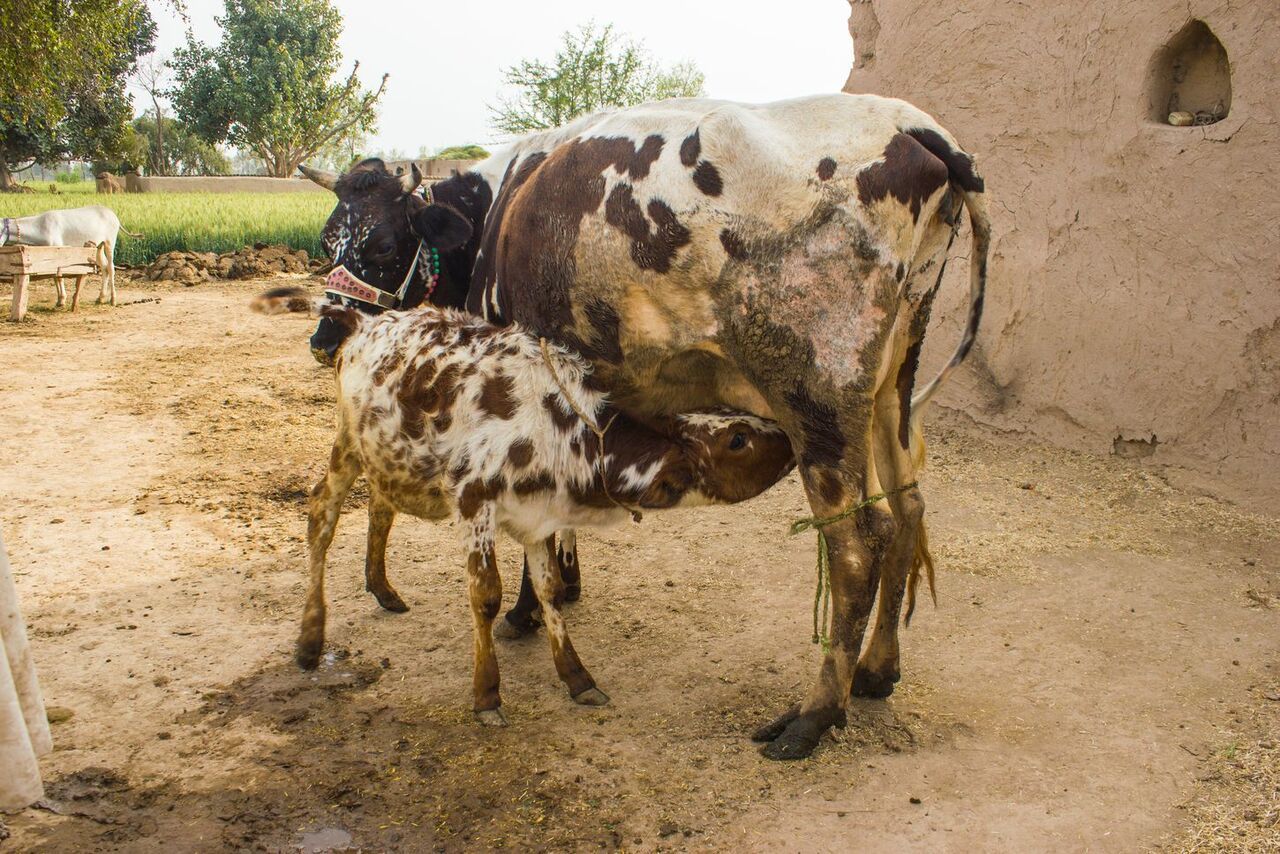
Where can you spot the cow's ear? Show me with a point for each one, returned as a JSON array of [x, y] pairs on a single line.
[[442, 227]]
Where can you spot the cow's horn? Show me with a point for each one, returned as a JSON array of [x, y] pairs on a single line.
[[410, 180], [328, 180]]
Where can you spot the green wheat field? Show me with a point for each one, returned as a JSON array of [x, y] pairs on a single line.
[[200, 222]]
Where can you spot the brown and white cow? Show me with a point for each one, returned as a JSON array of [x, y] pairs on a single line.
[[779, 259], [448, 415]]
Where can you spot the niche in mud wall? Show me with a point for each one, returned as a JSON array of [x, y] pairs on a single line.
[[1189, 81]]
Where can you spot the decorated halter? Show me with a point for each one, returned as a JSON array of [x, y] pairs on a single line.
[[341, 282]]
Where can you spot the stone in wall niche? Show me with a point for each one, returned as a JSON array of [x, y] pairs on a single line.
[[1189, 79]]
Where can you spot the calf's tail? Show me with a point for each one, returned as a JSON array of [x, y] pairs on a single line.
[[295, 300]]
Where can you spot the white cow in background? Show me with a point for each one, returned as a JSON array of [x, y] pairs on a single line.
[[93, 225]]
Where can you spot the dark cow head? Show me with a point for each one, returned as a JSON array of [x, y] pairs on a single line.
[[379, 237]]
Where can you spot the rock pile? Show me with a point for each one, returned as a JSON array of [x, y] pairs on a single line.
[[256, 262]]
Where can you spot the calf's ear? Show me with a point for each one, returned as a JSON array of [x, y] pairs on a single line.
[[441, 226]]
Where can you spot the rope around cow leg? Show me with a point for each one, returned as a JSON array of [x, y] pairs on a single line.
[[822, 596]]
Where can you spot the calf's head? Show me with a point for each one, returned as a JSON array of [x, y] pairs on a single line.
[[379, 238], [735, 456]]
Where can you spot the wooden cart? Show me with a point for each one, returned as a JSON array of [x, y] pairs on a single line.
[[24, 263]]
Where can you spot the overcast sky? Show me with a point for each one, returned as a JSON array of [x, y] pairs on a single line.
[[446, 67]]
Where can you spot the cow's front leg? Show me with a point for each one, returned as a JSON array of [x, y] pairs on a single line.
[[544, 572], [569, 572], [484, 587], [61, 287], [856, 547], [381, 515]]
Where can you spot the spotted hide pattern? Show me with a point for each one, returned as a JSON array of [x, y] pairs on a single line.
[[449, 416]]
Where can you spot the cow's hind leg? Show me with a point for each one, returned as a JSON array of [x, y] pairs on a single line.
[[519, 622], [569, 572], [381, 516], [544, 572], [878, 668], [484, 588], [322, 520]]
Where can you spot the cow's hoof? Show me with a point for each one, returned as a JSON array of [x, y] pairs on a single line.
[[797, 741], [868, 683], [513, 629], [308, 655], [390, 600], [572, 592], [591, 697], [775, 728], [491, 717]]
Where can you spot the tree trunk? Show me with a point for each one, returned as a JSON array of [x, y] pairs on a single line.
[[7, 181], [160, 160]]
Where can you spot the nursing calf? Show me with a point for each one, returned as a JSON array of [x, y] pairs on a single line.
[[448, 415]]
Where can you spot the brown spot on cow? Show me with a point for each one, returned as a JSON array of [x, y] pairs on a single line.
[[561, 414], [906, 383], [473, 495], [707, 179], [537, 216], [908, 172], [733, 244], [651, 249], [826, 168], [828, 485], [520, 453], [388, 364], [691, 149], [540, 482], [497, 397], [423, 393], [823, 441]]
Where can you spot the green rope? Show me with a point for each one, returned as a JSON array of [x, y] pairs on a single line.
[[822, 596]]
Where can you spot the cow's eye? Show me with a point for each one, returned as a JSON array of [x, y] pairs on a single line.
[[382, 249], [738, 442]]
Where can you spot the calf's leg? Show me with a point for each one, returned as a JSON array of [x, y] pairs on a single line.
[[322, 519], [381, 515], [544, 572], [484, 588]]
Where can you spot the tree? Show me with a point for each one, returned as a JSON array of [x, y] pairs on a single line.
[[272, 86], [152, 76], [461, 152], [184, 152], [592, 70], [62, 70]]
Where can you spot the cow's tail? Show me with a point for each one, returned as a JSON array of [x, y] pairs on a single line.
[[295, 300], [963, 177], [976, 204], [137, 236]]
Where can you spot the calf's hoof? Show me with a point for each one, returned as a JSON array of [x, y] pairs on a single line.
[[775, 727], [572, 592], [514, 626], [591, 697], [491, 717], [868, 683], [308, 654], [390, 600]]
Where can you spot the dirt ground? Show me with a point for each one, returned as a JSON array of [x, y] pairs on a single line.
[[1101, 672]]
